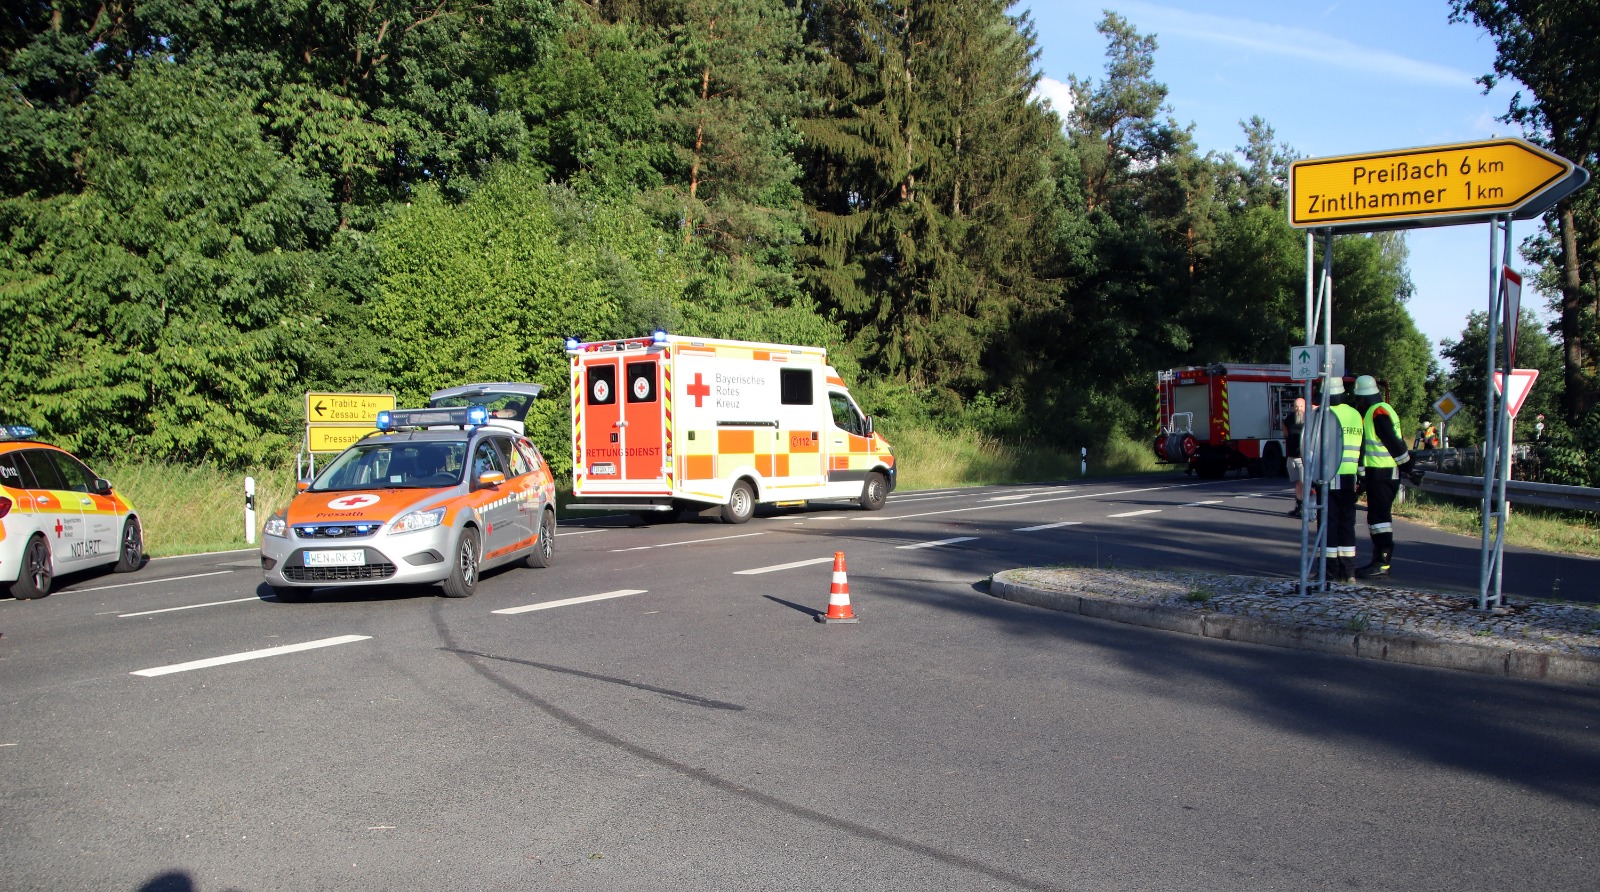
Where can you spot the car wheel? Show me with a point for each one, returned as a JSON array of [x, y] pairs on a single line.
[[544, 550], [37, 571], [463, 579], [131, 556], [288, 594], [874, 492], [741, 503]]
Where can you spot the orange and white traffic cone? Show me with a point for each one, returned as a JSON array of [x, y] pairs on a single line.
[[839, 595]]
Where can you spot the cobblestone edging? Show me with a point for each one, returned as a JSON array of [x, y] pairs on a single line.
[[1528, 639]]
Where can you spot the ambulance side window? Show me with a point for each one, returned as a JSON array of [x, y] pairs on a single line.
[[44, 470], [845, 416], [486, 458], [641, 382], [602, 385], [14, 472], [795, 387]]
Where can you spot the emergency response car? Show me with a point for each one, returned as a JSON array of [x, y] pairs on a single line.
[[1222, 417], [57, 516], [435, 495], [667, 423]]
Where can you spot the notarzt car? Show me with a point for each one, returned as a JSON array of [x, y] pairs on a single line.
[[438, 495], [57, 516]]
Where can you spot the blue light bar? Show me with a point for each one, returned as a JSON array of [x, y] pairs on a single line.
[[660, 336], [17, 432], [385, 420], [477, 415], [573, 344], [414, 419]]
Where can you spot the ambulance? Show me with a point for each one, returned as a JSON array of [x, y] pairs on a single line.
[[667, 423]]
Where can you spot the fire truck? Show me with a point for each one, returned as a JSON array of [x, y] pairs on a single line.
[[1224, 417]]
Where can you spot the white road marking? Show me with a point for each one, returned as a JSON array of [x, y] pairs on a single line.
[[987, 507], [828, 517], [1010, 498], [565, 602], [250, 655], [578, 532], [938, 543], [776, 567], [186, 607], [1136, 513], [1048, 526], [690, 542], [1198, 504], [102, 588]]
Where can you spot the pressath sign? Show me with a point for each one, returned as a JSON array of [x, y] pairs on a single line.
[[1429, 186]]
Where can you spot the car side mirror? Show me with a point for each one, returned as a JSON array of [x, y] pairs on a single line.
[[302, 485], [102, 486], [868, 428], [491, 478]]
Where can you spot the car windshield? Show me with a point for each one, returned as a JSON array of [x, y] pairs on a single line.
[[423, 465]]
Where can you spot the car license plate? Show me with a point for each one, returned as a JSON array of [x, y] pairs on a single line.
[[352, 558]]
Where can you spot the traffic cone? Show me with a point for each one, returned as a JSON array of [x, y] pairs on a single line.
[[838, 595]]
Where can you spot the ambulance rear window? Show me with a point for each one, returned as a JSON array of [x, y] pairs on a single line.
[[641, 382], [602, 384], [796, 387]]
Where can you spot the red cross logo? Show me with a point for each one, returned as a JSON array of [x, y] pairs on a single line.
[[699, 390], [58, 528], [350, 503]]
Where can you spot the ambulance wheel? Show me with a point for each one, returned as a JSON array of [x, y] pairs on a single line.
[[874, 492], [741, 503], [463, 579], [37, 572], [131, 555], [544, 550]]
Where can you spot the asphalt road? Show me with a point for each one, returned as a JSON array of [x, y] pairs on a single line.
[[703, 732]]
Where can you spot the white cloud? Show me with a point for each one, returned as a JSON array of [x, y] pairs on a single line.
[[1295, 43], [1058, 94]]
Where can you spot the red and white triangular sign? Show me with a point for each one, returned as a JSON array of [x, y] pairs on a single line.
[[1521, 383]]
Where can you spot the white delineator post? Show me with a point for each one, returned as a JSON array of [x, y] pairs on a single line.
[[250, 510]]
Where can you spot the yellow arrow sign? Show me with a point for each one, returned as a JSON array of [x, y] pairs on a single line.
[[334, 437], [346, 408], [1430, 186]]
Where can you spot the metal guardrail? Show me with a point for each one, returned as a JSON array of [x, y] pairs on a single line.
[[1518, 492]]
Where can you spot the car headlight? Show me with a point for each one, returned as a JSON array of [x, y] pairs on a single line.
[[418, 520], [276, 526]]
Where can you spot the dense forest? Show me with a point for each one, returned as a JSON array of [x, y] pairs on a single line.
[[209, 207]]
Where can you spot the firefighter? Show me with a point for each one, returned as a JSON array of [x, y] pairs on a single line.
[[1383, 459], [1340, 551]]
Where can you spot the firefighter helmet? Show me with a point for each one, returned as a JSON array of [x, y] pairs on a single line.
[[1366, 385]]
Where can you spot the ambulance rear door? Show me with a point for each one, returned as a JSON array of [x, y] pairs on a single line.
[[623, 422]]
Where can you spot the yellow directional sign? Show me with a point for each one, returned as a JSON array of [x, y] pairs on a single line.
[[1430, 186], [334, 437], [346, 408]]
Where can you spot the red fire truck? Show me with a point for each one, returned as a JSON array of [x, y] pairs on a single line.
[[1223, 417]]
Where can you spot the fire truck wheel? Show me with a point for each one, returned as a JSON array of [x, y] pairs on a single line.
[[1161, 448], [741, 503], [463, 579], [874, 492]]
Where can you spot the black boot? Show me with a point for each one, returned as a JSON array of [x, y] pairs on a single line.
[[1295, 511], [1379, 567]]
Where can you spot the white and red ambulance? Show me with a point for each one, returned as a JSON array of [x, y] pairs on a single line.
[[669, 423]]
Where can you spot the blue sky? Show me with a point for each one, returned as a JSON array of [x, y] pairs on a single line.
[[1331, 78]]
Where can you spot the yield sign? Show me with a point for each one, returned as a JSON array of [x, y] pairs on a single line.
[[1521, 383]]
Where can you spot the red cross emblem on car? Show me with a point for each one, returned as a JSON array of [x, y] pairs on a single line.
[[58, 528]]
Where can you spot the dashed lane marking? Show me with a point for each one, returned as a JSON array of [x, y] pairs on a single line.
[[938, 543], [250, 655], [776, 567], [690, 542], [1048, 526], [186, 607], [1031, 502], [1198, 504], [151, 581], [567, 602], [1136, 513]]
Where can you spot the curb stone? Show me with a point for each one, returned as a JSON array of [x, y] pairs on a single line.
[[1126, 597]]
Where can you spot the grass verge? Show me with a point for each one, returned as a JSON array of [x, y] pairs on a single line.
[[1542, 529]]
